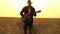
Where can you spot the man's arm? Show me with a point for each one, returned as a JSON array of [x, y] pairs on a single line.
[[21, 13], [34, 13]]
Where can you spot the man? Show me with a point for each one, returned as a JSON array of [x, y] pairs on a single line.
[[29, 22]]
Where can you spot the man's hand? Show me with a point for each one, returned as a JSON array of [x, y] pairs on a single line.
[[35, 14]]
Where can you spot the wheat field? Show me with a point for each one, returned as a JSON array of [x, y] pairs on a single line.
[[11, 25]]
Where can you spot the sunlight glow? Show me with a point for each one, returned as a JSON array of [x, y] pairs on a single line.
[[19, 4], [12, 8]]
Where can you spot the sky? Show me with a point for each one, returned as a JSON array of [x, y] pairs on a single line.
[[12, 8]]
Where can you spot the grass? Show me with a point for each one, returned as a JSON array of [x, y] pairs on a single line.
[[40, 26]]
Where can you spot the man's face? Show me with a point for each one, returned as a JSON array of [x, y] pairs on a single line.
[[29, 3]]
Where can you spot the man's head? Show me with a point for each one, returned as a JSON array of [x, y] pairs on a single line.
[[29, 3]]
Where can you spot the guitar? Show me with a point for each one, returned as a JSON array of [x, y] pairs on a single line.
[[27, 16]]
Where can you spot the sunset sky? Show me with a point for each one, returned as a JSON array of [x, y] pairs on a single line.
[[12, 8]]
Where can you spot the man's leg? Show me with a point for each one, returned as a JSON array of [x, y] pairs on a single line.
[[30, 28], [25, 32], [25, 27]]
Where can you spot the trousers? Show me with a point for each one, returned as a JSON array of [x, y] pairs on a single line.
[[28, 24]]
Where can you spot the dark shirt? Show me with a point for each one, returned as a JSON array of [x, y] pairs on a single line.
[[25, 11]]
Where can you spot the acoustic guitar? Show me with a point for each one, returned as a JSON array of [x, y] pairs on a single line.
[[27, 16]]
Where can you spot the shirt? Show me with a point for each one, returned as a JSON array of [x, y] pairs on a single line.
[[29, 10]]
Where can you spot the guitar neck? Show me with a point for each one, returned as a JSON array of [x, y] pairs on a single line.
[[38, 11]]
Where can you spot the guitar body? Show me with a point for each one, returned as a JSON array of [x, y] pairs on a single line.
[[27, 16]]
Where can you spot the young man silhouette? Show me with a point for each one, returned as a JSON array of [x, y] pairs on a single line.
[[29, 21]]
